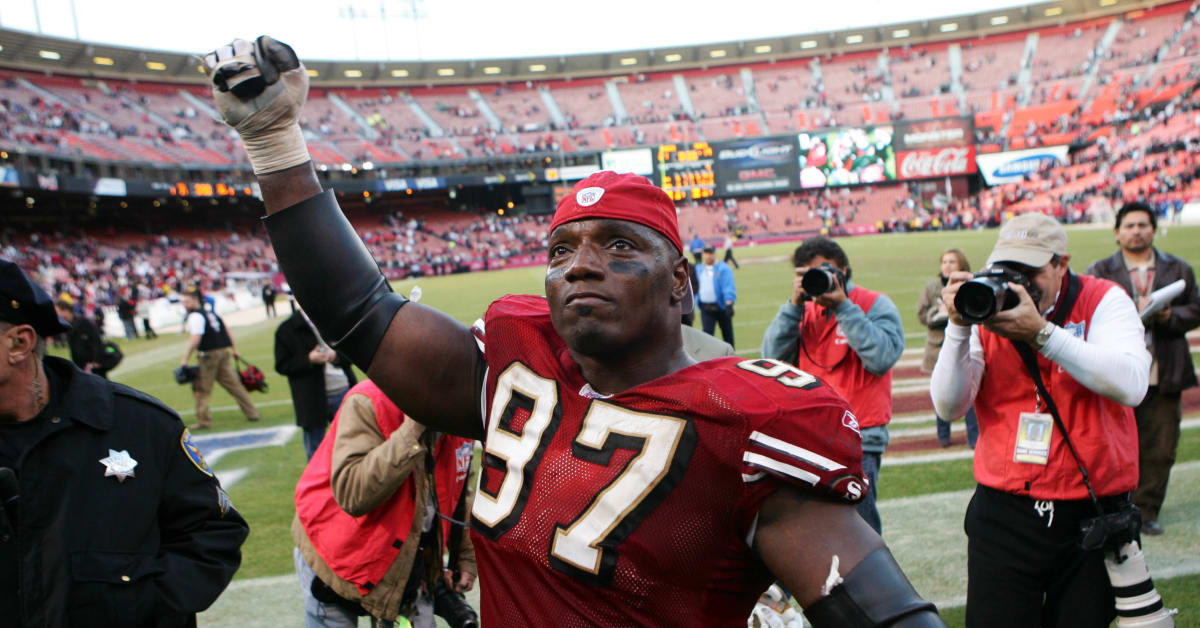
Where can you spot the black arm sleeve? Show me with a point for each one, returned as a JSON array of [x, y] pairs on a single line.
[[874, 593], [333, 276]]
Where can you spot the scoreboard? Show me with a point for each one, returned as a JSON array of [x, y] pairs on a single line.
[[685, 170]]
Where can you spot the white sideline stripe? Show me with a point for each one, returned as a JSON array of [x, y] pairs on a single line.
[[231, 477], [258, 583], [1174, 571], [762, 462], [941, 456], [799, 453], [914, 418], [263, 404], [955, 426]]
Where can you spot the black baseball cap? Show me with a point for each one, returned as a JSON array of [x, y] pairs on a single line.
[[708, 248], [23, 302]]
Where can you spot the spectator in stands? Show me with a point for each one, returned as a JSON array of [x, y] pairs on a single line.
[[850, 337], [716, 294], [368, 536], [1140, 269], [214, 342], [268, 296], [317, 376], [84, 339], [932, 313], [1025, 563]]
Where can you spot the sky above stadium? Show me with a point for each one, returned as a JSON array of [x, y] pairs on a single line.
[[457, 29]]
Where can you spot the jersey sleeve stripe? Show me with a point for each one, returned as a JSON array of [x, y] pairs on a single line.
[[477, 330], [753, 477], [759, 461], [793, 451]]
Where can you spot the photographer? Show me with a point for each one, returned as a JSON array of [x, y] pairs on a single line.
[[1025, 564], [850, 338], [1141, 269]]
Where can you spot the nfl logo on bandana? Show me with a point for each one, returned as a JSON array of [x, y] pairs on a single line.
[[463, 458], [589, 196]]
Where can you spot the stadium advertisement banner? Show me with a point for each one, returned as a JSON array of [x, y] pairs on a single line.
[[9, 177], [846, 156], [637, 160], [1012, 166], [934, 133], [416, 183], [935, 162], [569, 173], [755, 166]]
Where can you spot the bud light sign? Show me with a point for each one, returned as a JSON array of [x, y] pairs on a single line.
[[1012, 166], [765, 164]]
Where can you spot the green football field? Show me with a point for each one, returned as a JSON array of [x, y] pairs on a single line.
[[921, 503]]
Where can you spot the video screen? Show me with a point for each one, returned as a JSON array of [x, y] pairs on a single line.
[[846, 156]]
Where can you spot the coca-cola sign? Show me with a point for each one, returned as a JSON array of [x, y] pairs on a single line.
[[942, 162]]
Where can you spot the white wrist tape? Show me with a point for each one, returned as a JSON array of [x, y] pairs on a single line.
[[277, 149]]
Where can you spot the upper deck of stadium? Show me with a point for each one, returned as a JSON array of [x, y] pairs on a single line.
[[1055, 71]]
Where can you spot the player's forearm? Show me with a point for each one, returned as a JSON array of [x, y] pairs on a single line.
[[288, 187], [193, 344]]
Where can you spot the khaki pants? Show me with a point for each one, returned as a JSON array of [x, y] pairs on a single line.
[[1158, 418], [217, 365]]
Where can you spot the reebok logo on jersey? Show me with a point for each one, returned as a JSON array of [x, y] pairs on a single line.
[[589, 196], [849, 421]]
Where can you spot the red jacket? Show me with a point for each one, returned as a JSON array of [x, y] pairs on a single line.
[[836, 364], [361, 549], [1103, 431]]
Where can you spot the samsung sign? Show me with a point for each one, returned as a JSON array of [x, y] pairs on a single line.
[[1012, 166]]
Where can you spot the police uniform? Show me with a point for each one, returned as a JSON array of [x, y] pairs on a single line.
[[117, 519]]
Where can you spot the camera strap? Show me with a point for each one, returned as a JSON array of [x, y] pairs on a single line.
[[1029, 357]]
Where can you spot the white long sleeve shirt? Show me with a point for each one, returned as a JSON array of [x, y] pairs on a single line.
[[1111, 362]]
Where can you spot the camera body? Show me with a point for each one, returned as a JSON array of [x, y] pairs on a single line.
[[821, 279], [987, 294], [1110, 529]]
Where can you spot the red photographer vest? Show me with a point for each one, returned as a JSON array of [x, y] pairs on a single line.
[[1103, 431], [824, 352], [361, 549]]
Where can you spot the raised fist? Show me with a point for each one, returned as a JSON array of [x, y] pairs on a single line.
[[259, 88]]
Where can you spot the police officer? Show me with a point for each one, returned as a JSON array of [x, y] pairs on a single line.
[[111, 516]]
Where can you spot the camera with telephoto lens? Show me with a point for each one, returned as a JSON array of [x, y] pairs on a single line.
[[822, 279], [987, 294], [453, 607], [1138, 603]]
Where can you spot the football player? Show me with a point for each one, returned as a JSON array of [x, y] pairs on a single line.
[[623, 483]]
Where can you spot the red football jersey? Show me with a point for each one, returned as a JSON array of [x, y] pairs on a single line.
[[636, 509]]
